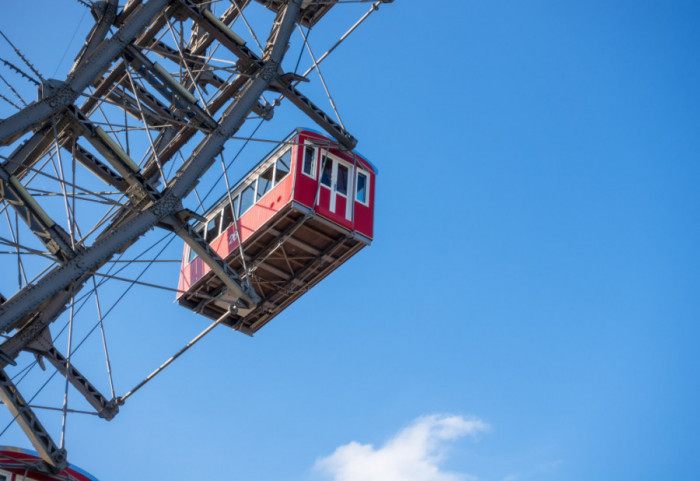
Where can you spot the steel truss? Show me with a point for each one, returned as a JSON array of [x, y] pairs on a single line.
[[122, 71]]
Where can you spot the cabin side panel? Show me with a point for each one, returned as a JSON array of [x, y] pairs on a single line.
[[326, 199], [227, 242], [364, 213], [306, 171], [265, 208]]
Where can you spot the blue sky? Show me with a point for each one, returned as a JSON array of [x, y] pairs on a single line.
[[528, 310]]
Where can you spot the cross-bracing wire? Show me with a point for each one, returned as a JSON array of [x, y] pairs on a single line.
[[64, 413], [86, 336], [320, 75], [245, 143], [235, 222], [77, 27], [186, 65], [13, 91], [19, 71], [20, 266], [252, 33], [20, 55], [10, 102], [148, 131]]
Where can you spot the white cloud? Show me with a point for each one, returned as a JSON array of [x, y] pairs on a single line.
[[414, 454]]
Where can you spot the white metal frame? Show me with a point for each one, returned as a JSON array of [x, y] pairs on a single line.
[[359, 171], [333, 189], [315, 163]]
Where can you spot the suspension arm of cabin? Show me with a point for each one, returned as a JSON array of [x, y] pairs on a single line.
[[236, 288]]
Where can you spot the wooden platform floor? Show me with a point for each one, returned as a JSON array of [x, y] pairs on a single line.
[[293, 253]]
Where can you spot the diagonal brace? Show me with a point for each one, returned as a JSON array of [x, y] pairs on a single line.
[[218, 266], [54, 457], [105, 409]]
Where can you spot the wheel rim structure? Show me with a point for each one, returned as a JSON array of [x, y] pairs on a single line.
[[110, 153]]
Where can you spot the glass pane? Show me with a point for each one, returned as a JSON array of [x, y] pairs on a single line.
[[265, 181], [310, 161], [283, 166], [343, 175], [361, 188], [191, 254], [227, 219], [237, 205], [327, 171], [213, 227], [247, 197]]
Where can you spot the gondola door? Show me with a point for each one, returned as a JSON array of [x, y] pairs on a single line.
[[336, 187]]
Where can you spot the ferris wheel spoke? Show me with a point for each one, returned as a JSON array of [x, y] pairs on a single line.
[[148, 132], [184, 63], [14, 232], [16, 125], [104, 338], [70, 214], [30, 424], [65, 366], [12, 89], [54, 238], [320, 75]]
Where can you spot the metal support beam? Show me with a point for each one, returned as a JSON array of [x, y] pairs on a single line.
[[99, 168], [139, 189], [56, 240], [103, 55], [228, 17], [170, 88], [54, 457], [99, 31], [33, 324], [26, 155], [317, 115], [43, 347], [237, 289], [182, 184]]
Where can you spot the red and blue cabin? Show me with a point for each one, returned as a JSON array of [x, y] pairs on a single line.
[[300, 213]]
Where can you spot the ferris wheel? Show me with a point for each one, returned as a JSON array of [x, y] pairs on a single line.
[[107, 167]]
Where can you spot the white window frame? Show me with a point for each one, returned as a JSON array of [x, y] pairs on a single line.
[[274, 172], [316, 159], [237, 196], [206, 226], [189, 247], [254, 183], [359, 171], [351, 184], [333, 189], [272, 180]]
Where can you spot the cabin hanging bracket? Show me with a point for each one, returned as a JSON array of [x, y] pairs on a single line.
[[242, 293]]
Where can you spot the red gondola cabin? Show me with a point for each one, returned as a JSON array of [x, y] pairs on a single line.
[[304, 210]]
